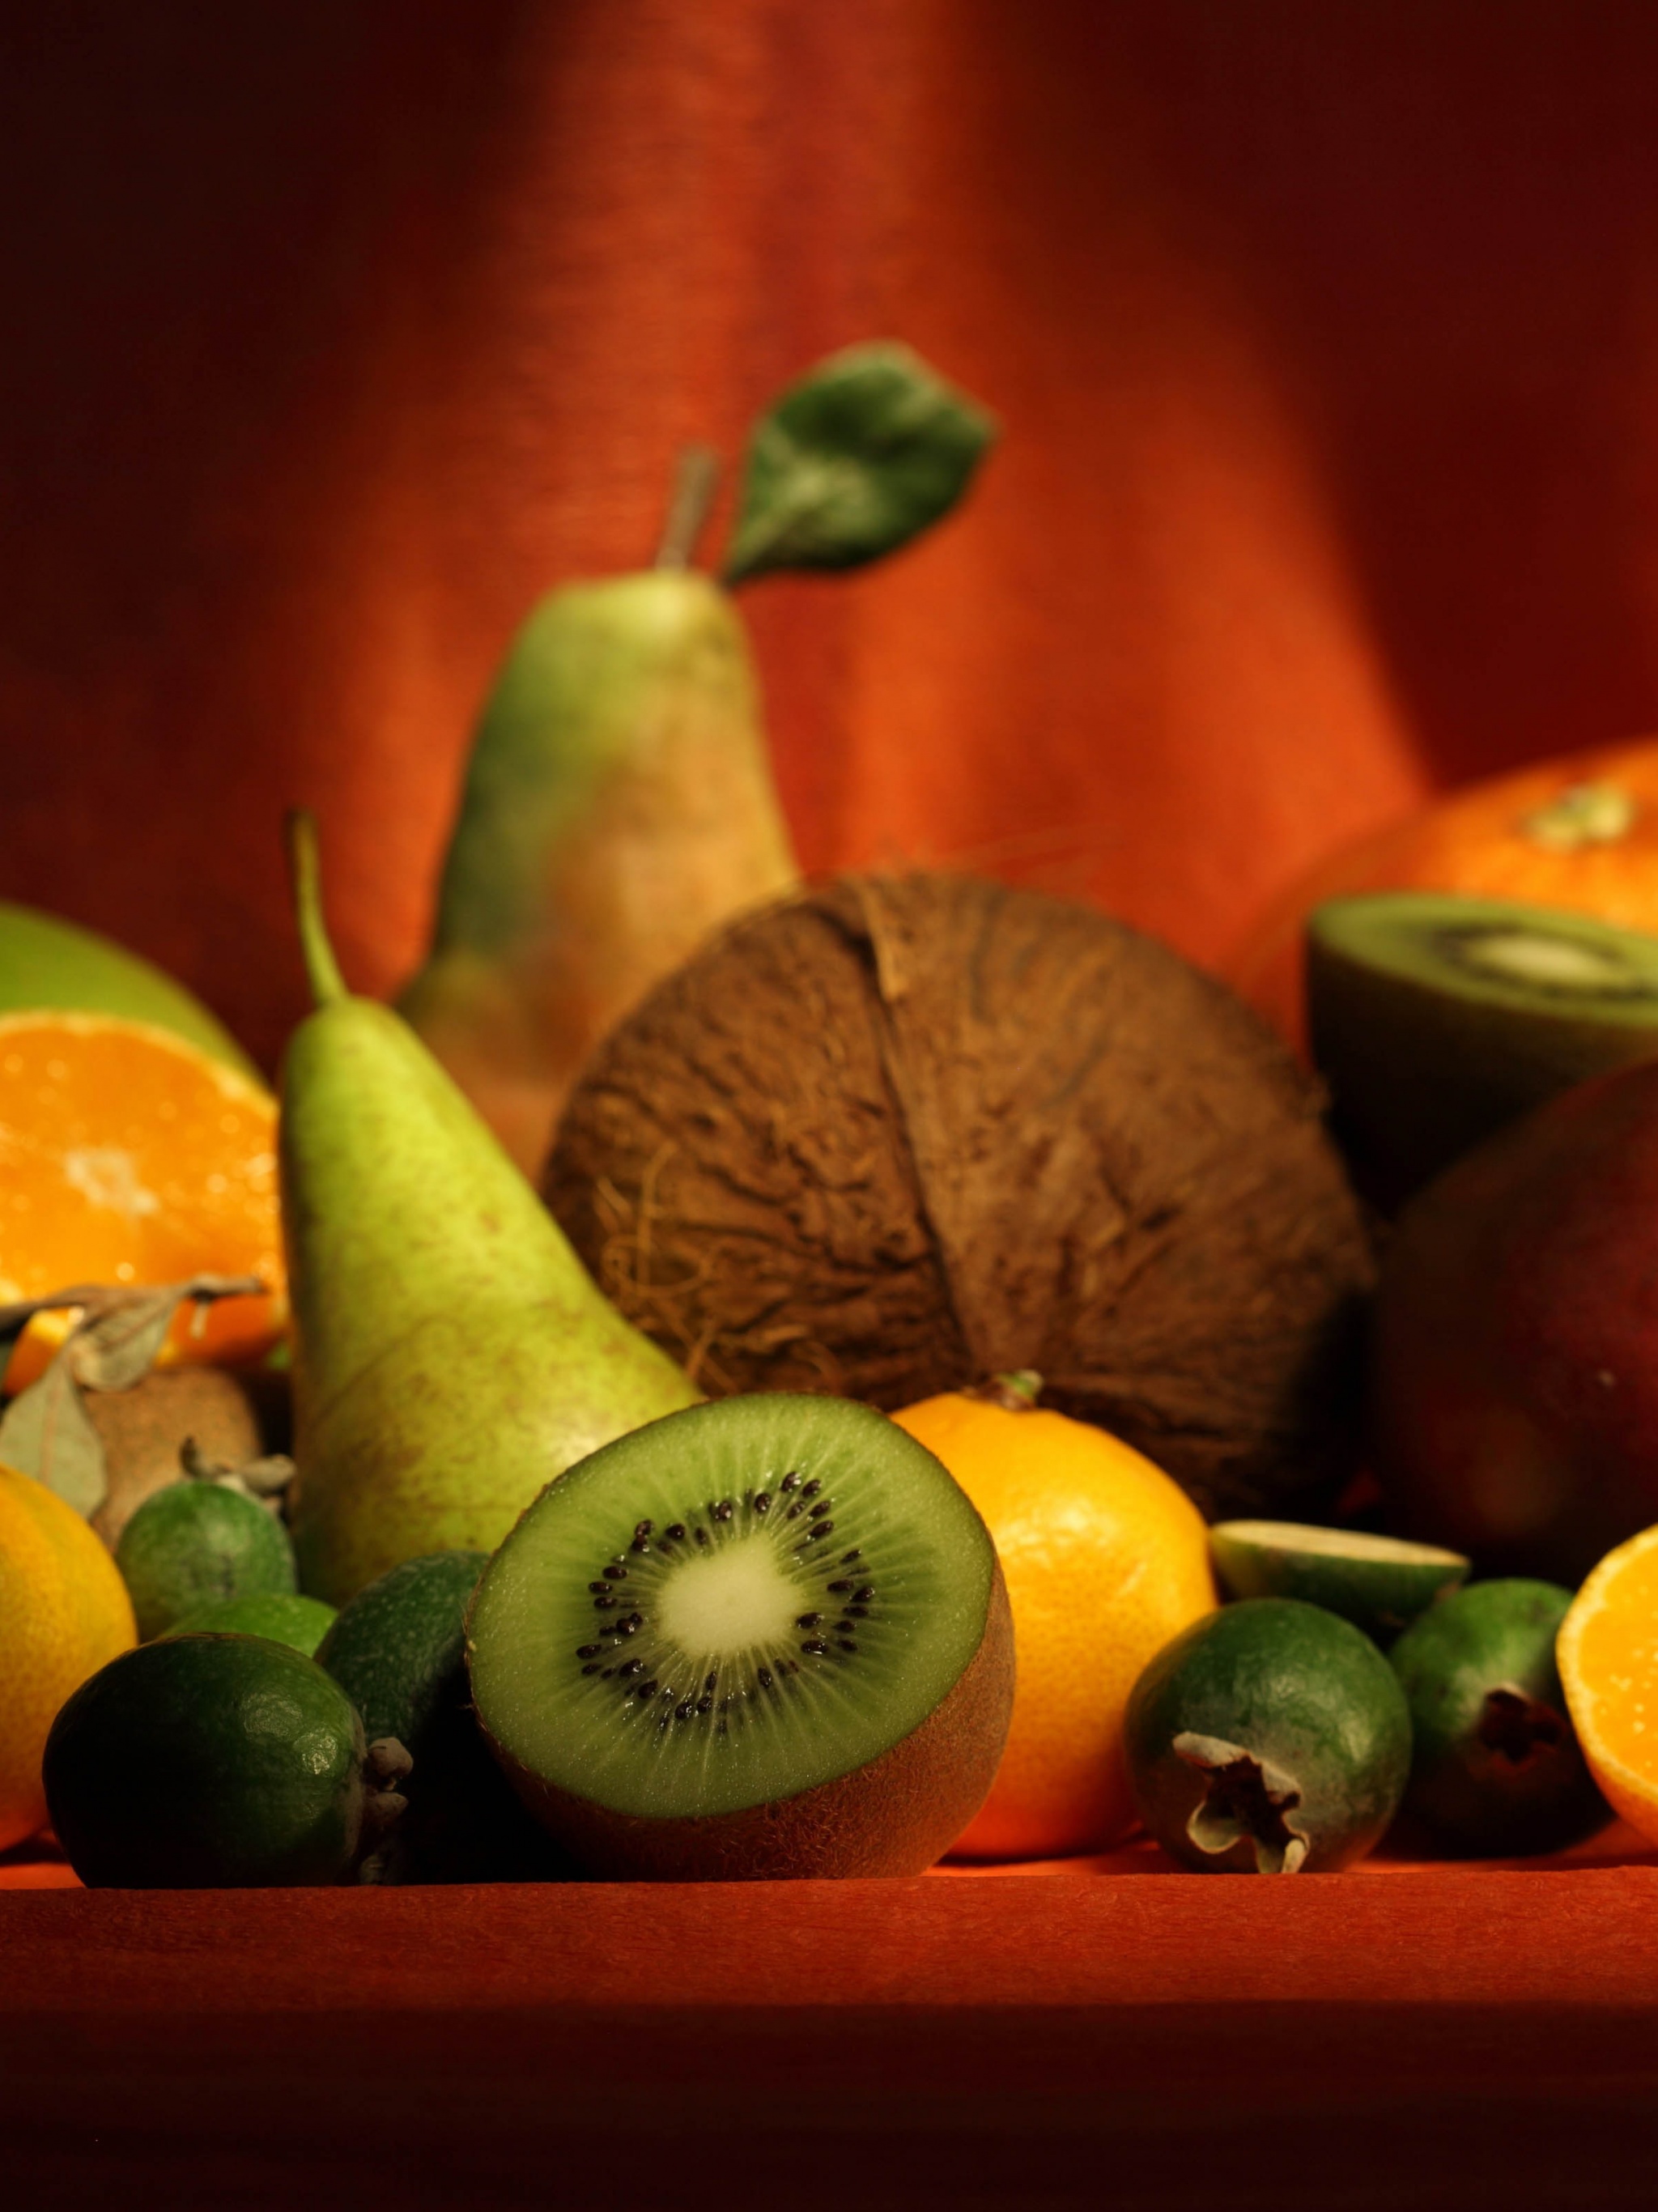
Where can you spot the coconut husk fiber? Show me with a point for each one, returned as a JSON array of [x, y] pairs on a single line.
[[897, 1133]]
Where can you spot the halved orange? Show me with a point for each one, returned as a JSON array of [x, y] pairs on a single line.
[[127, 1155], [1607, 1655]]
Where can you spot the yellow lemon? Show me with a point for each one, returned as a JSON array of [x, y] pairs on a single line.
[[1607, 1655], [63, 1613], [1106, 1559]]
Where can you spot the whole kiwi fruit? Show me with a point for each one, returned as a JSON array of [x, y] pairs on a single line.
[[892, 1134]]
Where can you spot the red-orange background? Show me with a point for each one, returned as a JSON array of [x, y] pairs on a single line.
[[1326, 340]]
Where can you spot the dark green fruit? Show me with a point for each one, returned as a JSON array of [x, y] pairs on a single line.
[[198, 1543], [1378, 1583], [207, 1762], [764, 1637], [1497, 1771], [282, 1615], [1436, 1019], [1271, 1737], [397, 1651]]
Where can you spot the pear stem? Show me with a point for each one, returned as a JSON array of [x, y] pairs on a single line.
[[327, 984], [694, 481]]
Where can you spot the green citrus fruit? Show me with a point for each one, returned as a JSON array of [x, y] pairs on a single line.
[[196, 1544], [1272, 1737], [1497, 1769], [1378, 1583], [206, 1762]]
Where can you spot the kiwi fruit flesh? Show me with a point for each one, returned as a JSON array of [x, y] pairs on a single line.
[[1435, 1019], [765, 1637]]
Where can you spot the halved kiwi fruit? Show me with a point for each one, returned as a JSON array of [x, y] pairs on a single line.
[[765, 1637], [1435, 1019]]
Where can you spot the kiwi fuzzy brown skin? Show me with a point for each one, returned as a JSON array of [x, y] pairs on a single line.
[[898, 1815], [896, 1134], [142, 1430]]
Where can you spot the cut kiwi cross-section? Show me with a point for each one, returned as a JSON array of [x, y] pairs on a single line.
[[766, 1636], [1437, 1018]]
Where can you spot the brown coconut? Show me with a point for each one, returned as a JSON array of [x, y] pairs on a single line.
[[897, 1133]]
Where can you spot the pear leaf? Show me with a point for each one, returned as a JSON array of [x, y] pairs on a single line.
[[859, 456], [48, 1432]]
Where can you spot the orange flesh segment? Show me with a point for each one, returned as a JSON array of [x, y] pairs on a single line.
[[1617, 1663], [127, 1157]]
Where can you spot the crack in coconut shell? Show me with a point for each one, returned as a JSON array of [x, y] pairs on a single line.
[[896, 1134]]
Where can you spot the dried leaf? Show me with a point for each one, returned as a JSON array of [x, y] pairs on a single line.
[[47, 1432], [119, 1341], [852, 461]]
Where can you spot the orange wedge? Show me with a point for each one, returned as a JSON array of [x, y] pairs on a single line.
[[1607, 1655], [127, 1155]]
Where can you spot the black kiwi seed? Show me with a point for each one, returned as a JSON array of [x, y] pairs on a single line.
[[643, 1528], [809, 1620], [640, 1544], [588, 1651], [763, 1677], [684, 1712], [648, 1689], [823, 1528], [847, 1558], [723, 1511], [762, 1501], [591, 1669], [863, 1596], [674, 1534], [816, 1645], [701, 1535], [712, 1678], [602, 1588], [633, 1667], [823, 1506], [603, 1604], [615, 1574], [812, 1488], [838, 1587], [859, 1612], [790, 1482]]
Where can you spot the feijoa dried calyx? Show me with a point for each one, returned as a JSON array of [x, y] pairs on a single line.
[[1271, 1737], [762, 1638]]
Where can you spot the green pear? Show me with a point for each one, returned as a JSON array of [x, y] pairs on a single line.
[[452, 1355], [618, 806]]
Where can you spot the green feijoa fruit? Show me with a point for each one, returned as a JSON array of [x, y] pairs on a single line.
[[1497, 1771], [1380, 1583], [397, 1651], [1271, 1737], [196, 1544], [206, 1762], [282, 1615], [764, 1637]]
